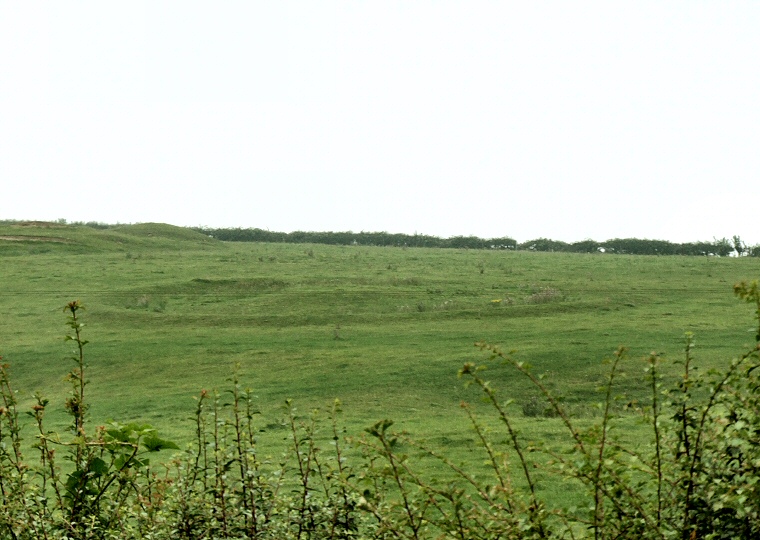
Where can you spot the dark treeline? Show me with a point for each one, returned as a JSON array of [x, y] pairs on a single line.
[[634, 246], [360, 238]]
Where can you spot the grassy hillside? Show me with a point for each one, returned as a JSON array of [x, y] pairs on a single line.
[[35, 237], [171, 311]]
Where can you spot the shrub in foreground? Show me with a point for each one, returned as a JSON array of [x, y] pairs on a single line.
[[697, 476]]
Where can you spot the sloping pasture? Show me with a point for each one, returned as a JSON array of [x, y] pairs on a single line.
[[171, 312]]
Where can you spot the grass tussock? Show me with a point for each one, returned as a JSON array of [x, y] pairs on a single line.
[[544, 295]]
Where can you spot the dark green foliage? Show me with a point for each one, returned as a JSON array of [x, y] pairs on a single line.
[[544, 244], [360, 238], [629, 246], [584, 246]]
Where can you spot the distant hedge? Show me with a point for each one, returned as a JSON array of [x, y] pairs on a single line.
[[633, 246], [360, 238]]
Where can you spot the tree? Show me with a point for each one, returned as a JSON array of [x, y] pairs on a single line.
[[739, 246], [723, 247]]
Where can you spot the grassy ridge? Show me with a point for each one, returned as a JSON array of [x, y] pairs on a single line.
[[170, 311], [32, 238]]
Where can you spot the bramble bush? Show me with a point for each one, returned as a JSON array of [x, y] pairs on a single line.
[[697, 476]]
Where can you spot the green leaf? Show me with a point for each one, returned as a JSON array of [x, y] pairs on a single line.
[[153, 443], [98, 466]]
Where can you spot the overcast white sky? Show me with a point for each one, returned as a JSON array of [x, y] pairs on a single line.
[[563, 119]]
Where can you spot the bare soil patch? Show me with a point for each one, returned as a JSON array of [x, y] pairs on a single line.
[[29, 238]]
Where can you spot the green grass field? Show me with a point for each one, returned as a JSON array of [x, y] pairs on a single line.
[[171, 312]]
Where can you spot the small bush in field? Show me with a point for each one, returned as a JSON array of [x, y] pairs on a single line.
[[148, 302], [535, 407], [544, 296]]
